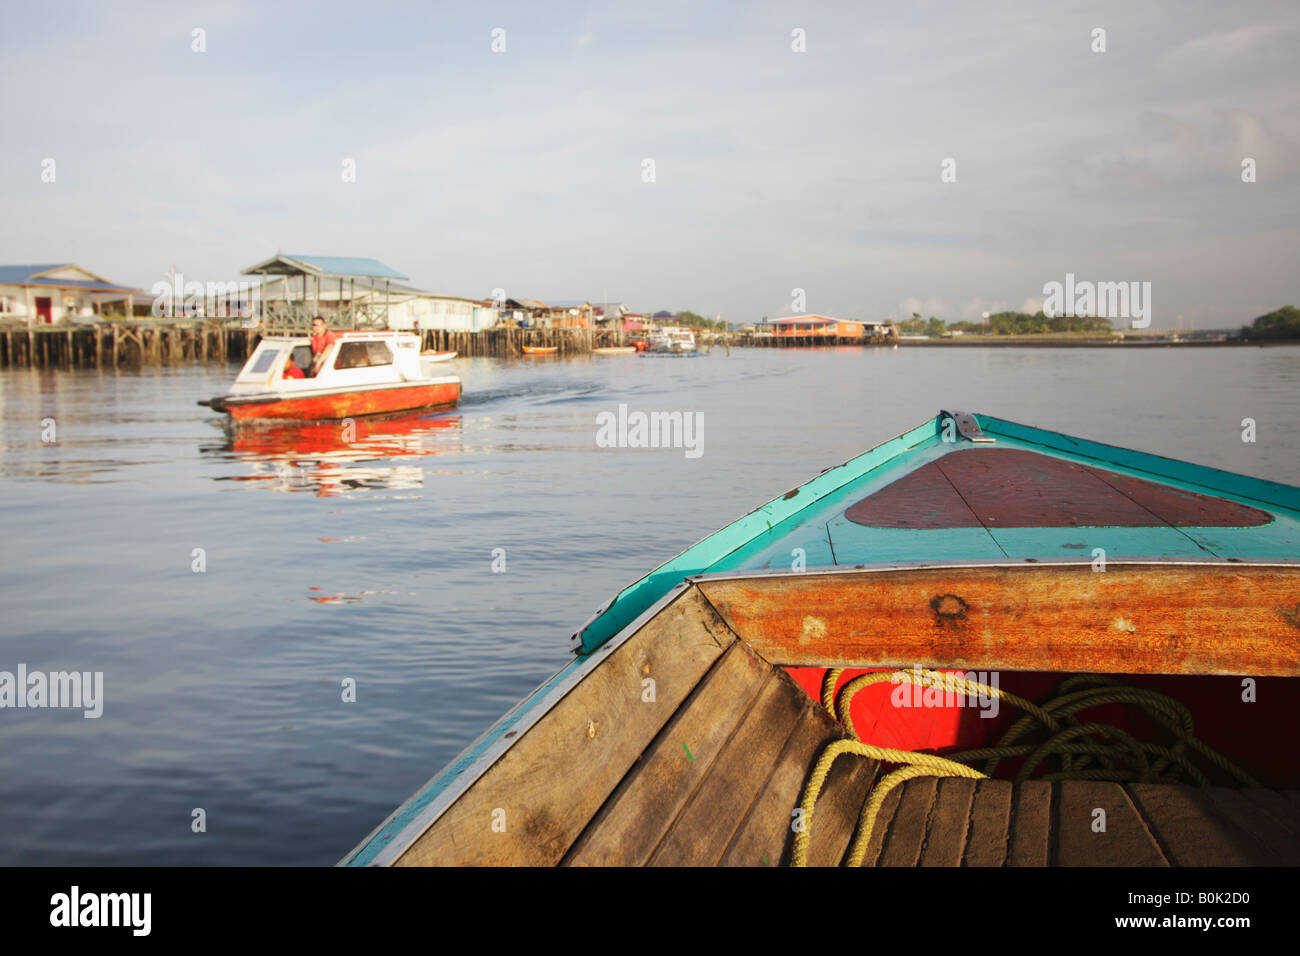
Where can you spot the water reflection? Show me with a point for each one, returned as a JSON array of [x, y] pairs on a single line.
[[333, 458]]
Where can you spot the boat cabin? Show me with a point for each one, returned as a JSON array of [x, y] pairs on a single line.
[[354, 358]]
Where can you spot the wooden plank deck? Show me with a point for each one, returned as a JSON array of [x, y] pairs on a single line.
[[998, 823], [707, 769]]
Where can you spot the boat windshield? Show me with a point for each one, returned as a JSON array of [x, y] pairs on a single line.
[[265, 361], [363, 355]]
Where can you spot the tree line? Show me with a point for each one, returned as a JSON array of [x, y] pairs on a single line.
[[1283, 323], [1007, 323]]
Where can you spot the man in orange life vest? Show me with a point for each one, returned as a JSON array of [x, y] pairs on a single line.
[[321, 340], [291, 369]]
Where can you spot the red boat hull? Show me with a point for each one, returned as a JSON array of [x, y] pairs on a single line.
[[356, 404]]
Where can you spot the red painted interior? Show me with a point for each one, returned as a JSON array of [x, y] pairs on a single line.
[[1257, 736], [1015, 488]]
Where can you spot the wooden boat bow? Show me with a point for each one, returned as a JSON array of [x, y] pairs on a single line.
[[691, 716]]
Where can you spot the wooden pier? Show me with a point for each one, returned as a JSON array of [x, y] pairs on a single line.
[[509, 342], [113, 344], [123, 344], [754, 340]]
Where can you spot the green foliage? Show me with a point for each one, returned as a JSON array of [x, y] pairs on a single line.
[[1283, 323], [1006, 323], [1022, 323], [698, 321]]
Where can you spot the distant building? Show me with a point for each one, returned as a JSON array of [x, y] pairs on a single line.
[[355, 292], [522, 311], [609, 313], [405, 307], [569, 314], [57, 292], [429, 310], [320, 285], [561, 314], [816, 326]]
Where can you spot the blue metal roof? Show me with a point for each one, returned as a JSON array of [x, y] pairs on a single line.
[[82, 284], [328, 265], [30, 275], [16, 275], [349, 266]]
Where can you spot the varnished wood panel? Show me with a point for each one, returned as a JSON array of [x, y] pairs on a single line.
[[1130, 618]]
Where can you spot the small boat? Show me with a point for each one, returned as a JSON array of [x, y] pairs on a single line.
[[963, 647], [672, 338], [614, 350], [361, 374], [538, 350], [431, 356]]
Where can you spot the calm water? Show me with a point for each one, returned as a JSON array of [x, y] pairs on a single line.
[[373, 561]]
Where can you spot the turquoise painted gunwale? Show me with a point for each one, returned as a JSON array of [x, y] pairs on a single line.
[[763, 520], [733, 547]]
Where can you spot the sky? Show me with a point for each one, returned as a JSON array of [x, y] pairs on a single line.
[[794, 146]]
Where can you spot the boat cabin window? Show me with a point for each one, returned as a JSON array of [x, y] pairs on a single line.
[[265, 362], [302, 356], [363, 355]]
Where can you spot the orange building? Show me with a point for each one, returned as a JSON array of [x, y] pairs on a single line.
[[816, 326]]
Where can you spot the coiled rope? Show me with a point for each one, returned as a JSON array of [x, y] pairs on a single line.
[[1111, 754]]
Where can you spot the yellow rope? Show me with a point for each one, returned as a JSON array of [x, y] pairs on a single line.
[[829, 680], [1056, 715], [918, 764]]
